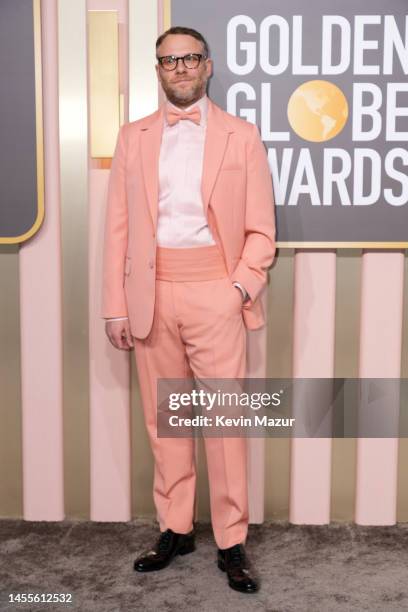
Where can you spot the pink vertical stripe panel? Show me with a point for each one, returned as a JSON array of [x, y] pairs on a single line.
[[40, 307], [380, 357], [256, 368], [109, 368], [109, 384], [313, 357]]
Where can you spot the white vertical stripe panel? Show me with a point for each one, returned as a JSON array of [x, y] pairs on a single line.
[[143, 84]]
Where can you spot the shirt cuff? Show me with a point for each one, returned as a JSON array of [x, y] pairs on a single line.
[[245, 294]]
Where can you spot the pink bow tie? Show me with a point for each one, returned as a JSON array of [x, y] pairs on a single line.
[[173, 115]]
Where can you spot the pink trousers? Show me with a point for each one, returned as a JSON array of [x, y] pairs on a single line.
[[198, 331]]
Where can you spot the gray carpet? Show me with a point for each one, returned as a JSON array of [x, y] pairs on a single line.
[[302, 568]]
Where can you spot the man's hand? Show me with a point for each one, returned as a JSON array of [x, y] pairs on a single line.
[[119, 334]]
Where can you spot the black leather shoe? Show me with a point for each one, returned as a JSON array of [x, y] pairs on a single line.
[[240, 574], [167, 546]]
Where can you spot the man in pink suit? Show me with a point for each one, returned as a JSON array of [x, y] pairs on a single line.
[[189, 236]]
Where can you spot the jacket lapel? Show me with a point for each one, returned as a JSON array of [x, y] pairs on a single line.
[[151, 136], [214, 150]]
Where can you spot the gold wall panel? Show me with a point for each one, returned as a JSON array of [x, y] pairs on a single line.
[[73, 109], [279, 365], [143, 100], [104, 101], [166, 14], [11, 503]]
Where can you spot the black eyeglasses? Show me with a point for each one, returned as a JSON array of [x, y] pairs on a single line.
[[190, 61]]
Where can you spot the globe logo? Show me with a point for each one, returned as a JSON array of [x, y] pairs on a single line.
[[317, 110]]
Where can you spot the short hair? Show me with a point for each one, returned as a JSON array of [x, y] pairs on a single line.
[[186, 31]]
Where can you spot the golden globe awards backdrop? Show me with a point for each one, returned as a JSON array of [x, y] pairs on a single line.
[[21, 164], [326, 83]]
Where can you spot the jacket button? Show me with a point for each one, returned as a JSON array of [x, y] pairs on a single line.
[[151, 263]]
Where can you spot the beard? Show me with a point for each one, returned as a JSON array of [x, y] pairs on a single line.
[[186, 96]]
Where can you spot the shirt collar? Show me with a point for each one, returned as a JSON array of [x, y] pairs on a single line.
[[202, 104]]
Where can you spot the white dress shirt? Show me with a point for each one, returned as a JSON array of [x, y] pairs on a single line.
[[181, 220]]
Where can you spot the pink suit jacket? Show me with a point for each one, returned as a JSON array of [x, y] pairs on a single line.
[[238, 203]]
